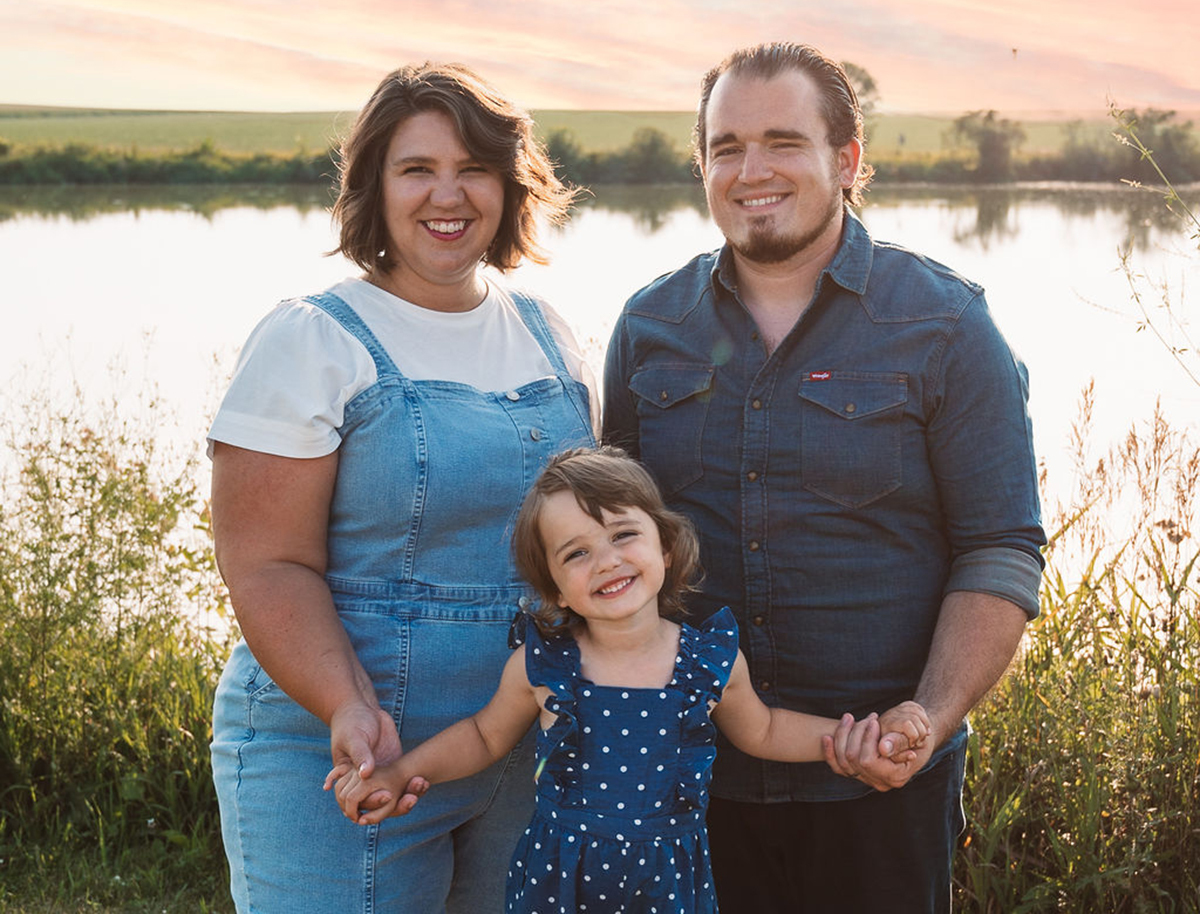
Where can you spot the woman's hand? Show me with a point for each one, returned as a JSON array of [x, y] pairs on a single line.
[[361, 736]]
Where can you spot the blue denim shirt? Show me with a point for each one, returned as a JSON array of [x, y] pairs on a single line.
[[878, 459]]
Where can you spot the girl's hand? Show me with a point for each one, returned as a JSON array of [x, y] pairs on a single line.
[[368, 801], [380, 800], [905, 726]]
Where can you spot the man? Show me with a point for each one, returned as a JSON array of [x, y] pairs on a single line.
[[848, 430]]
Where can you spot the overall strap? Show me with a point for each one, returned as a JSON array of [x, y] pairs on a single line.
[[535, 320], [341, 312]]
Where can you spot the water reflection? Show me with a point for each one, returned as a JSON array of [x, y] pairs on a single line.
[[987, 215], [1142, 210], [79, 203], [649, 206]]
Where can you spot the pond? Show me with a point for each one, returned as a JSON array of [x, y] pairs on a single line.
[[168, 282]]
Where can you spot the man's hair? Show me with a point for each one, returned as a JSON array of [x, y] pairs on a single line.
[[494, 131], [839, 102], [602, 479]]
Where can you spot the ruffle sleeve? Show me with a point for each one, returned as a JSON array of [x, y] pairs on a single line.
[[706, 656], [553, 663]]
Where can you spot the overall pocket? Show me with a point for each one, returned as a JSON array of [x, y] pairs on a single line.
[[672, 407], [850, 434]]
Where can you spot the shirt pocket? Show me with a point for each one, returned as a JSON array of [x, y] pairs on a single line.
[[850, 434], [672, 407]]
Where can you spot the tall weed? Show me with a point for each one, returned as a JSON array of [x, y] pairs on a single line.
[[1083, 789], [106, 671]]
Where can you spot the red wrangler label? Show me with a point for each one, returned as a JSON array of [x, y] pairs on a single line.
[[820, 375]]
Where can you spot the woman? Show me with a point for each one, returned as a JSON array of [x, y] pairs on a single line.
[[368, 462]]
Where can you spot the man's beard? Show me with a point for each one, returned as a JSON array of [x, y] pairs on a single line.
[[764, 246]]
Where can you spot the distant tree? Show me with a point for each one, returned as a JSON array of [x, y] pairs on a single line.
[[1083, 157], [1173, 145], [864, 87], [567, 155], [653, 159], [995, 139]]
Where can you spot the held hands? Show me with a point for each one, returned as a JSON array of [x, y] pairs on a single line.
[[368, 800], [857, 750], [360, 737]]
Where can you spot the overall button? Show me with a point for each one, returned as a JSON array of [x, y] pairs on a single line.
[[752, 475], [753, 545], [513, 395], [535, 434]]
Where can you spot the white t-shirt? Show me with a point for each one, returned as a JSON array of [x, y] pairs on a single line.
[[300, 367]]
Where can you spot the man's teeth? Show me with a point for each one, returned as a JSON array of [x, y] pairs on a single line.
[[763, 201], [447, 228]]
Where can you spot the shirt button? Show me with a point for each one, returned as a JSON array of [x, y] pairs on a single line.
[[523, 602], [513, 395], [764, 685], [753, 544], [756, 404], [850, 407], [535, 434], [759, 620], [663, 395], [752, 475]]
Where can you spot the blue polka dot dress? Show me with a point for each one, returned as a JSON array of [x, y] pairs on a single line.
[[622, 783]]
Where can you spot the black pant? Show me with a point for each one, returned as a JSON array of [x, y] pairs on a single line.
[[883, 852]]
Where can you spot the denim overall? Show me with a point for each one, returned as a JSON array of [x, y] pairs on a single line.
[[430, 477]]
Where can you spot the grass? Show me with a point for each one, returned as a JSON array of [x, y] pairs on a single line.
[[106, 677], [1083, 785], [595, 131], [164, 131]]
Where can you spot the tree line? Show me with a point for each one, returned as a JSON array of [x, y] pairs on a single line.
[[980, 147]]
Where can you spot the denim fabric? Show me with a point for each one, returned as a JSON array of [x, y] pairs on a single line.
[[878, 458], [888, 851], [430, 477]]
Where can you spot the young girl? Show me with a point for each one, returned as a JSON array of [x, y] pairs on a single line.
[[626, 698]]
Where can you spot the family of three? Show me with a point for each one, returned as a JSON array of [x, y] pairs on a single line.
[[831, 427]]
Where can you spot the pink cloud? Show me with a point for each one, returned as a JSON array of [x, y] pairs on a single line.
[[939, 55]]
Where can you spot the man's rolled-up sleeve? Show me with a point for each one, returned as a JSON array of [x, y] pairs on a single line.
[[981, 447]]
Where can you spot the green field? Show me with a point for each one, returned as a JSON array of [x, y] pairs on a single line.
[[596, 131]]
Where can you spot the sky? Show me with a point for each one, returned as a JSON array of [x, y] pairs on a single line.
[[943, 56]]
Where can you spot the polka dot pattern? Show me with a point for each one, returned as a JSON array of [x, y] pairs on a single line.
[[623, 792]]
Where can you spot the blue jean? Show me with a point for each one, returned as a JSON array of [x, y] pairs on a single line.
[[430, 476], [886, 851], [270, 757]]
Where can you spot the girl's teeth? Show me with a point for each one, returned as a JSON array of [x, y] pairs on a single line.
[[447, 228]]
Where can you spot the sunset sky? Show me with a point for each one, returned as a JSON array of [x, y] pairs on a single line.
[[1015, 56]]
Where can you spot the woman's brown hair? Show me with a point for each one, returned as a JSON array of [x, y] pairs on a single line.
[[495, 132]]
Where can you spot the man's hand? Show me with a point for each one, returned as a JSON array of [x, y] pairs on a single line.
[[856, 751]]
